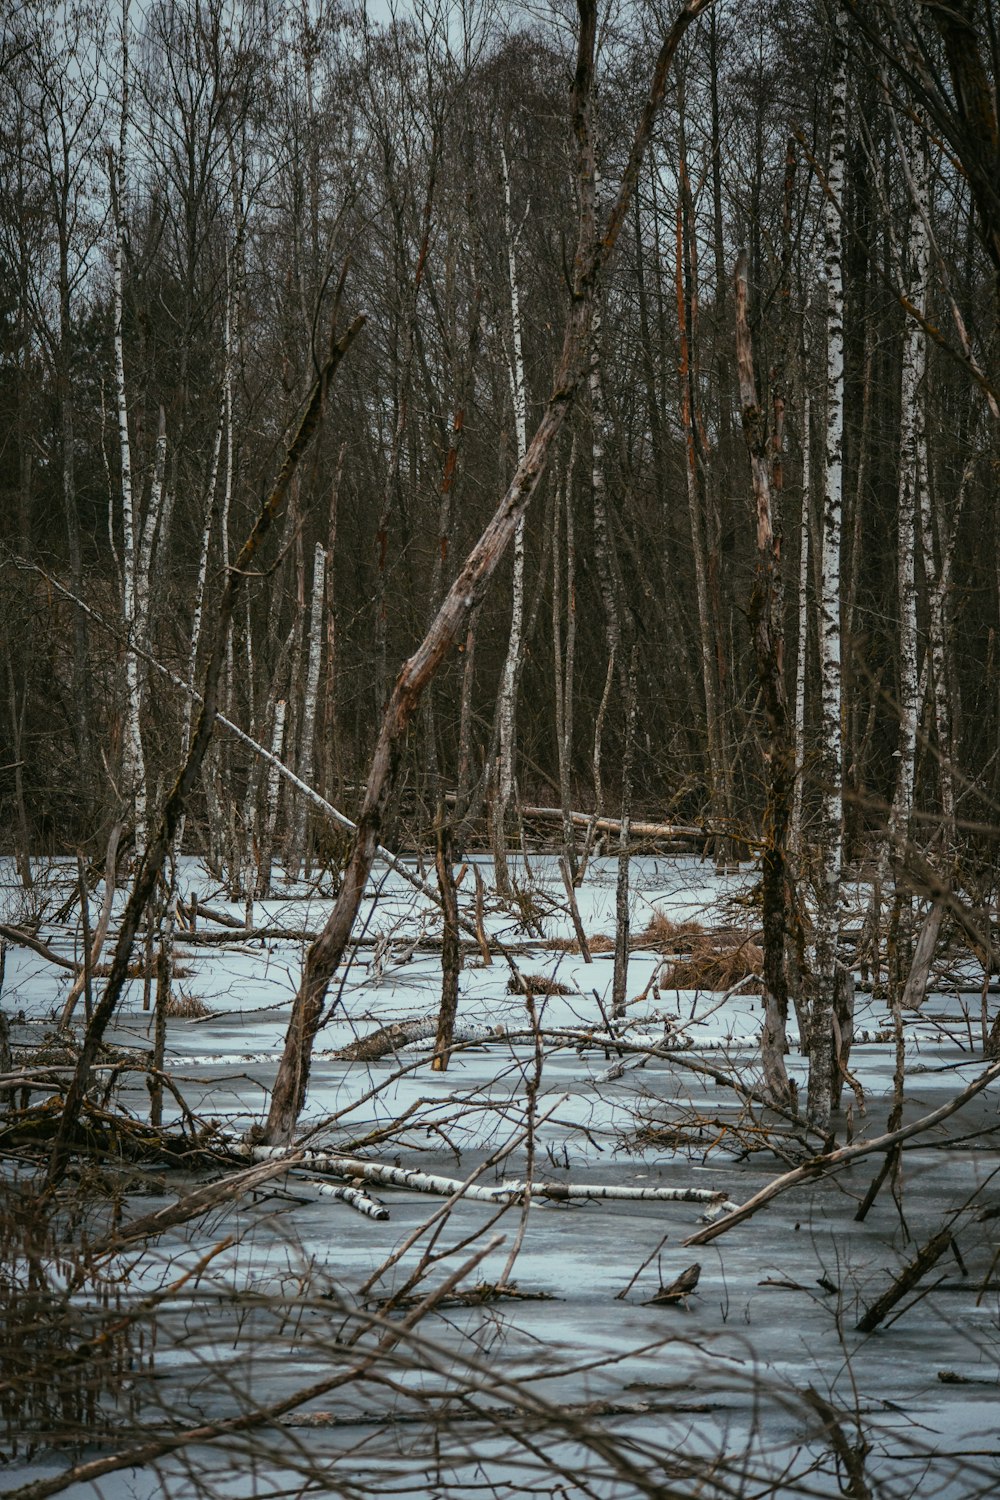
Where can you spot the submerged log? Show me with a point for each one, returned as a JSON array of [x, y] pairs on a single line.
[[927, 1257], [679, 1290]]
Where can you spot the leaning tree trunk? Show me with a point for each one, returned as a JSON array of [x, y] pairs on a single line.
[[822, 1063], [468, 589]]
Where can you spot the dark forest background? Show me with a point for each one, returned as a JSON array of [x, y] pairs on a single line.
[[258, 172]]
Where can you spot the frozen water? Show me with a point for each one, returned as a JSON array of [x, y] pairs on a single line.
[[725, 1379]]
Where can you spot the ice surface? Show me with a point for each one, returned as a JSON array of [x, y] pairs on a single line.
[[726, 1377]]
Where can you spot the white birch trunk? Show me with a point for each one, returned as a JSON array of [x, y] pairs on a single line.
[[271, 799], [144, 570], [512, 664], [308, 729], [504, 1192], [133, 760], [911, 438], [802, 646], [830, 830]]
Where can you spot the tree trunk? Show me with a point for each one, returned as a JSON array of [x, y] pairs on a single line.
[[133, 767], [307, 732], [451, 950], [802, 641], [620, 977], [830, 768], [766, 619], [512, 662]]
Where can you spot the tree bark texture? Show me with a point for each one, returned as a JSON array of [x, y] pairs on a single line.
[[829, 851]]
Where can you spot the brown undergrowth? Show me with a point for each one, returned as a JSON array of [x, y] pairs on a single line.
[[538, 984], [183, 1006], [703, 959]]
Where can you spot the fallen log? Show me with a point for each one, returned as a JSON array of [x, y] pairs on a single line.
[[613, 825], [504, 1192], [679, 1290], [361, 1202], [402, 1033], [240, 934]]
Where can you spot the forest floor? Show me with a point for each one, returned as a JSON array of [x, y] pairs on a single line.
[[553, 1372]]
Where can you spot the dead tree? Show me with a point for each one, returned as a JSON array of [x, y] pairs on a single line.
[[592, 253], [769, 647]]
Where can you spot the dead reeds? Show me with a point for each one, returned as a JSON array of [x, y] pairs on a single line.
[[703, 959]]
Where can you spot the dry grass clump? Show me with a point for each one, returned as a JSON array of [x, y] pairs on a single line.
[[182, 1006], [538, 984], [599, 943], [704, 960], [670, 937], [138, 969], [716, 961]]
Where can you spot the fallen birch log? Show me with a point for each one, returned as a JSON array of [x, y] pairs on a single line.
[[640, 1046], [587, 1411], [406, 1033], [504, 1192], [361, 1202]]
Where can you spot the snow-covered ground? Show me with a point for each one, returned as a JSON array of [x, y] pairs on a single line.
[[620, 1394]]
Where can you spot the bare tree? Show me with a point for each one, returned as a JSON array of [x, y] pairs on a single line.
[[592, 253]]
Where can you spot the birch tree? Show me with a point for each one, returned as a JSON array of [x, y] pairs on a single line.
[[309, 707], [512, 661], [829, 851], [912, 462], [135, 585]]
